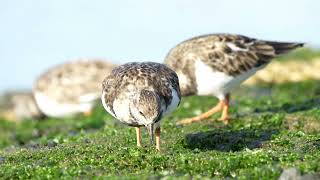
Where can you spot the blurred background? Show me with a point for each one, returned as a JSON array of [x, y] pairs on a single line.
[[37, 35]]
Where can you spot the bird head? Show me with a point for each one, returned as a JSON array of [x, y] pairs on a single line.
[[145, 107]]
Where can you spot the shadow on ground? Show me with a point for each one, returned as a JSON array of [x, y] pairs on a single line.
[[228, 140]]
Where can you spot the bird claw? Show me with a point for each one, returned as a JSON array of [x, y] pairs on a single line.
[[191, 120], [225, 120], [185, 121]]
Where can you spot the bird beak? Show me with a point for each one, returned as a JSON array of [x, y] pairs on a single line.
[[151, 132]]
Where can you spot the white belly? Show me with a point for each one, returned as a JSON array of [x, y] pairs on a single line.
[[174, 102], [53, 108], [215, 83], [120, 108]]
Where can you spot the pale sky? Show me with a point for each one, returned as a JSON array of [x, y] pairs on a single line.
[[37, 34]]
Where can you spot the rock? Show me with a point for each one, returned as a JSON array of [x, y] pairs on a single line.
[[294, 174], [86, 140], [290, 174], [311, 177], [52, 143], [33, 145]]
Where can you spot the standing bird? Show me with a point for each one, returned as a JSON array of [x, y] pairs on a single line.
[[140, 94], [215, 64], [70, 88]]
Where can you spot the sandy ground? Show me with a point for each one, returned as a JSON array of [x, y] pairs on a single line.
[[287, 71]]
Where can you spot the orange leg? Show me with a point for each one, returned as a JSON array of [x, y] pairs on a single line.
[[225, 105], [205, 115], [138, 136], [157, 132]]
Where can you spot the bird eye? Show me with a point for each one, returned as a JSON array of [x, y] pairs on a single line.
[[140, 112]]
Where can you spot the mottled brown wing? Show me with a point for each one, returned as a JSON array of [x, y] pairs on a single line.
[[234, 54], [231, 54], [164, 80], [158, 76], [112, 84], [73, 81]]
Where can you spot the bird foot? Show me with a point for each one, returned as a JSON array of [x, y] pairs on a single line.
[[186, 121], [225, 120]]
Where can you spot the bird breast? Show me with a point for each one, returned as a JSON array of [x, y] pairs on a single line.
[[120, 108]]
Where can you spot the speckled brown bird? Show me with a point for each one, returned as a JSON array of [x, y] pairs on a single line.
[[215, 64], [70, 88], [140, 94]]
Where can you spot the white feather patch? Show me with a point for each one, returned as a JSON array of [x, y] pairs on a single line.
[[120, 108], [210, 82], [88, 97], [106, 107], [235, 48], [174, 102]]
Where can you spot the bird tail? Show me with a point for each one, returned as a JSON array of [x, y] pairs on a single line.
[[284, 47]]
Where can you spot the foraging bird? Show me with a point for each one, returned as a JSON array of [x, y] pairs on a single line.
[[70, 88], [19, 105], [215, 64], [140, 94]]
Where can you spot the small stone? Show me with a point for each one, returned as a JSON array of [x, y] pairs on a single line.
[[52, 144], [86, 140], [311, 177], [33, 145], [73, 133], [290, 174]]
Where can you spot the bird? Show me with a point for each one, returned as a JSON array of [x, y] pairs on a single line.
[[215, 64], [23, 105], [70, 88], [20, 105], [140, 94]]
